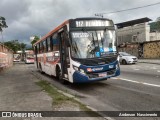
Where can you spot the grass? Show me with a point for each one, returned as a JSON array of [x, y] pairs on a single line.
[[59, 98]]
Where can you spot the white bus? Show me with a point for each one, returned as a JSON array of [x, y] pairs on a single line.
[[79, 50], [29, 56]]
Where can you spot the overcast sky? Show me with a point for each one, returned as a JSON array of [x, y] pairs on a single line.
[[26, 18]]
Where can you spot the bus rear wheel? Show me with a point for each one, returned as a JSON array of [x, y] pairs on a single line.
[[40, 67], [58, 73]]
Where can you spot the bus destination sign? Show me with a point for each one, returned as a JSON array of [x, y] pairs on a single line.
[[93, 23]]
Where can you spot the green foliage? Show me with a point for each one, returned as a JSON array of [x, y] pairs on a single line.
[[58, 98], [155, 26], [15, 45], [2, 23], [36, 38]]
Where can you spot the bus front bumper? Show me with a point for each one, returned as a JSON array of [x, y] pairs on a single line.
[[85, 78]]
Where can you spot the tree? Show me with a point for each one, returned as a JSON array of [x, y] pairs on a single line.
[[158, 24], [15, 45], [155, 26], [2, 25], [36, 38]]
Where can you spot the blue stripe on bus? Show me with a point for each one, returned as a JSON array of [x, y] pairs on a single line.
[[105, 67], [82, 78]]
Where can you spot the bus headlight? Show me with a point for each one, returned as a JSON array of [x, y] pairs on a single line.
[[118, 58], [78, 69], [117, 66], [82, 71], [75, 68]]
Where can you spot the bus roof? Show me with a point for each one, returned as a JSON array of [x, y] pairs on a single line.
[[66, 22], [51, 32], [92, 18]]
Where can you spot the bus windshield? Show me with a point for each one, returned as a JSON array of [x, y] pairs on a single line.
[[29, 56], [91, 44]]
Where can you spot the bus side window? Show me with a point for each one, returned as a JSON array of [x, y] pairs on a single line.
[[35, 49], [55, 42], [51, 43], [48, 44], [44, 46], [56, 45], [38, 47], [41, 47]]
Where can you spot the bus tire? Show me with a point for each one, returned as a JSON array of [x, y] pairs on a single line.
[[40, 68], [58, 76], [58, 73]]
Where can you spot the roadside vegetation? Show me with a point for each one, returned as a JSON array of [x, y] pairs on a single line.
[[59, 99]]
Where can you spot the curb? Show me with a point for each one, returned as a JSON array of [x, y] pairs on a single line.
[[89, 107], [150, 63], [73, 97]]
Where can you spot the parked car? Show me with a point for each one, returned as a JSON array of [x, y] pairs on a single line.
[[125, 58]]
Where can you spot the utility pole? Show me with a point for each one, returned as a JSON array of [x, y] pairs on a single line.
[[99, 15]]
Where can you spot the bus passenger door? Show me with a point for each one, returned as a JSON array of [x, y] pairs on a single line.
[[64, 54]]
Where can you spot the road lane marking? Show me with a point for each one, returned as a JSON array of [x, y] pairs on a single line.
[[144, 83], [129, 80], [136, 69], [153, 68], [151, 84]]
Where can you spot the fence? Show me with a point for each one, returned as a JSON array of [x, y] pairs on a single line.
[[149, 50], [6, 57]]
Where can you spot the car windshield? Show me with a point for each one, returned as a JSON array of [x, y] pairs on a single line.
[[124, 54], [91, 44]]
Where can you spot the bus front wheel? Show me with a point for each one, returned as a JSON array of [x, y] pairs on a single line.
[[59, 77]]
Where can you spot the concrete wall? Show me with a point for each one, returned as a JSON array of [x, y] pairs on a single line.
[[136, 33], [154, 36], [131, 49], [145, 50], [151, 49], [6, 57]]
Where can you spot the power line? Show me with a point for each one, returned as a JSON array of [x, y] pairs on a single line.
[[130, 9]]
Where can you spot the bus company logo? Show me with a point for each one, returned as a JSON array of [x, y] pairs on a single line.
[[94, 69], [6, 114]]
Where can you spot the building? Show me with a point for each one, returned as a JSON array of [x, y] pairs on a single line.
[[154, 36], [6, 57], [133, 31], [139, 38]]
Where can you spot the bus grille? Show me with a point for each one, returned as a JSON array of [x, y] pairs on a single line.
[[96, 75], [97, 61]]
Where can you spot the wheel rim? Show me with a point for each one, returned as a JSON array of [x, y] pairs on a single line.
[[124, 62]]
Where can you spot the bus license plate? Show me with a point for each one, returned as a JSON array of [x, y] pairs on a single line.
[[102, 74]]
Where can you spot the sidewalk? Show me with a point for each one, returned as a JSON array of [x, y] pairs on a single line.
[[19, 92], [150, 61]]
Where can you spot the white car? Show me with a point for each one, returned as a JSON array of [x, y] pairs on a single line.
[[125, 58]]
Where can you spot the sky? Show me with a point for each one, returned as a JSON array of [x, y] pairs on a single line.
[[27, 18]]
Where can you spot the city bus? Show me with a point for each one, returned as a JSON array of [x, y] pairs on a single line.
[[79, 50], [29, 56]]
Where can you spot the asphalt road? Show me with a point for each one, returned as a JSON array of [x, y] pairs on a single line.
[[136, 89]]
